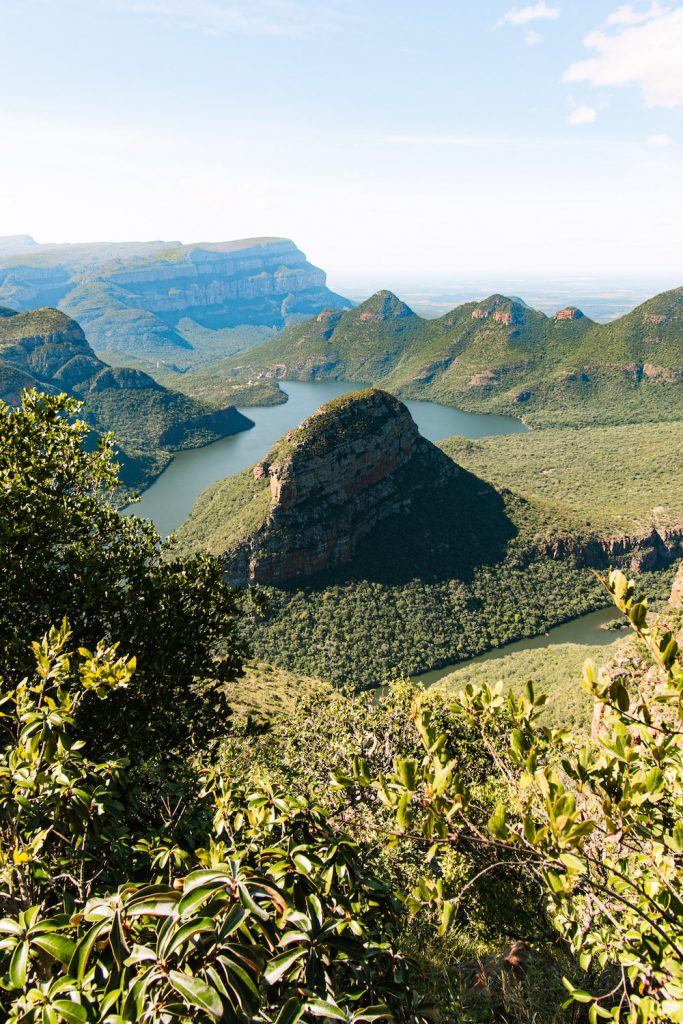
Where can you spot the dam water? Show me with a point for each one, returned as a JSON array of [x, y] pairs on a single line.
[[586, 629], [168, 502]]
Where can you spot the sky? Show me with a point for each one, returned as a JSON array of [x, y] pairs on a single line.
[[386, 137]]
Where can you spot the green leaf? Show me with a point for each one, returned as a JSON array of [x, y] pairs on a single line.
[[250, 903], [279, 965], [70, 1012], [19, 965], [290, 1012], [197, 993], [79, 960], [372, 1013], [117, 940], [173, 941], [320, 1008], [407, 773], [57, 946], [194, 898], [497, 826]]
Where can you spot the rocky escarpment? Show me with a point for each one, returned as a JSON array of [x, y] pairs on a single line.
[[147, 297], [52, 352], [638, 552], [356, 462]]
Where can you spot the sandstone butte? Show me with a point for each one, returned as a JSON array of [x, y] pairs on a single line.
[[353, 463]]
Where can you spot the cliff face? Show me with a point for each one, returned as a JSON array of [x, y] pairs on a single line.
[[356, 462], [51, 350], [133, 296], [653, 549]]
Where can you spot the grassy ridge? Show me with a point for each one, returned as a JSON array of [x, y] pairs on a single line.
[[595, 477], [551, 372]]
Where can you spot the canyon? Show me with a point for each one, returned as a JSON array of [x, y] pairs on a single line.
[[164, 299]]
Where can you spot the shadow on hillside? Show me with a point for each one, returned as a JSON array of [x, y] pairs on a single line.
[[451, 529]]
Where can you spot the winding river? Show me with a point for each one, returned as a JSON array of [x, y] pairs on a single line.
[[587, 629], [168, 502]]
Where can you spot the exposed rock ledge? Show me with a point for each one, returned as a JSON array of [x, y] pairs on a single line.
[[652, 549], [355, 462]]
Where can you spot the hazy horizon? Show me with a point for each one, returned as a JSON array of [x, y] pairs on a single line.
[[383, 139]]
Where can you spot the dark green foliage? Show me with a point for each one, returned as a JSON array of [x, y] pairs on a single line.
[[67, 552], [47, 350], [278, 911], [363, 631]]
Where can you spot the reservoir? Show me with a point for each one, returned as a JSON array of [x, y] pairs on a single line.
[[584, 630], [168, 502]]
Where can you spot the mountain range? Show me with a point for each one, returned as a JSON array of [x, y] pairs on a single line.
[[47, 350], [165, 301], [496, 355]]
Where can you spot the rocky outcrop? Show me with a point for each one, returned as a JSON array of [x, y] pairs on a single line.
[[52, 351], [652, 549], [133, 296], [354, 463], [676, 599], [47, 350]]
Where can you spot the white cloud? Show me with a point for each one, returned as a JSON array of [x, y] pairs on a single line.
[[533, 12], [659, 141], [627, 14], [251, 17], [646, 54], [532, 37], [582, 115]]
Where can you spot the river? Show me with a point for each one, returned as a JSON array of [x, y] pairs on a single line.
[[584, 630], [168, 502]]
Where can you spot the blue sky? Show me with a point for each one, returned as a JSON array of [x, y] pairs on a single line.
[[437, 138]]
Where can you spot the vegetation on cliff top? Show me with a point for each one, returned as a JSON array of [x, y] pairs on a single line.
[[44, 348], [592, 477], [498, 355]]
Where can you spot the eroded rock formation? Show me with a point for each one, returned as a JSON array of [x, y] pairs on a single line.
[[354, 463]]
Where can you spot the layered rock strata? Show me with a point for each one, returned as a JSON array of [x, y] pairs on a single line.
[[354, 463], [140, 296]]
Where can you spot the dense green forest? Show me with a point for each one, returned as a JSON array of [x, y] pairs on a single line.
[[504, 550], [166, 855], [497, 355]]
